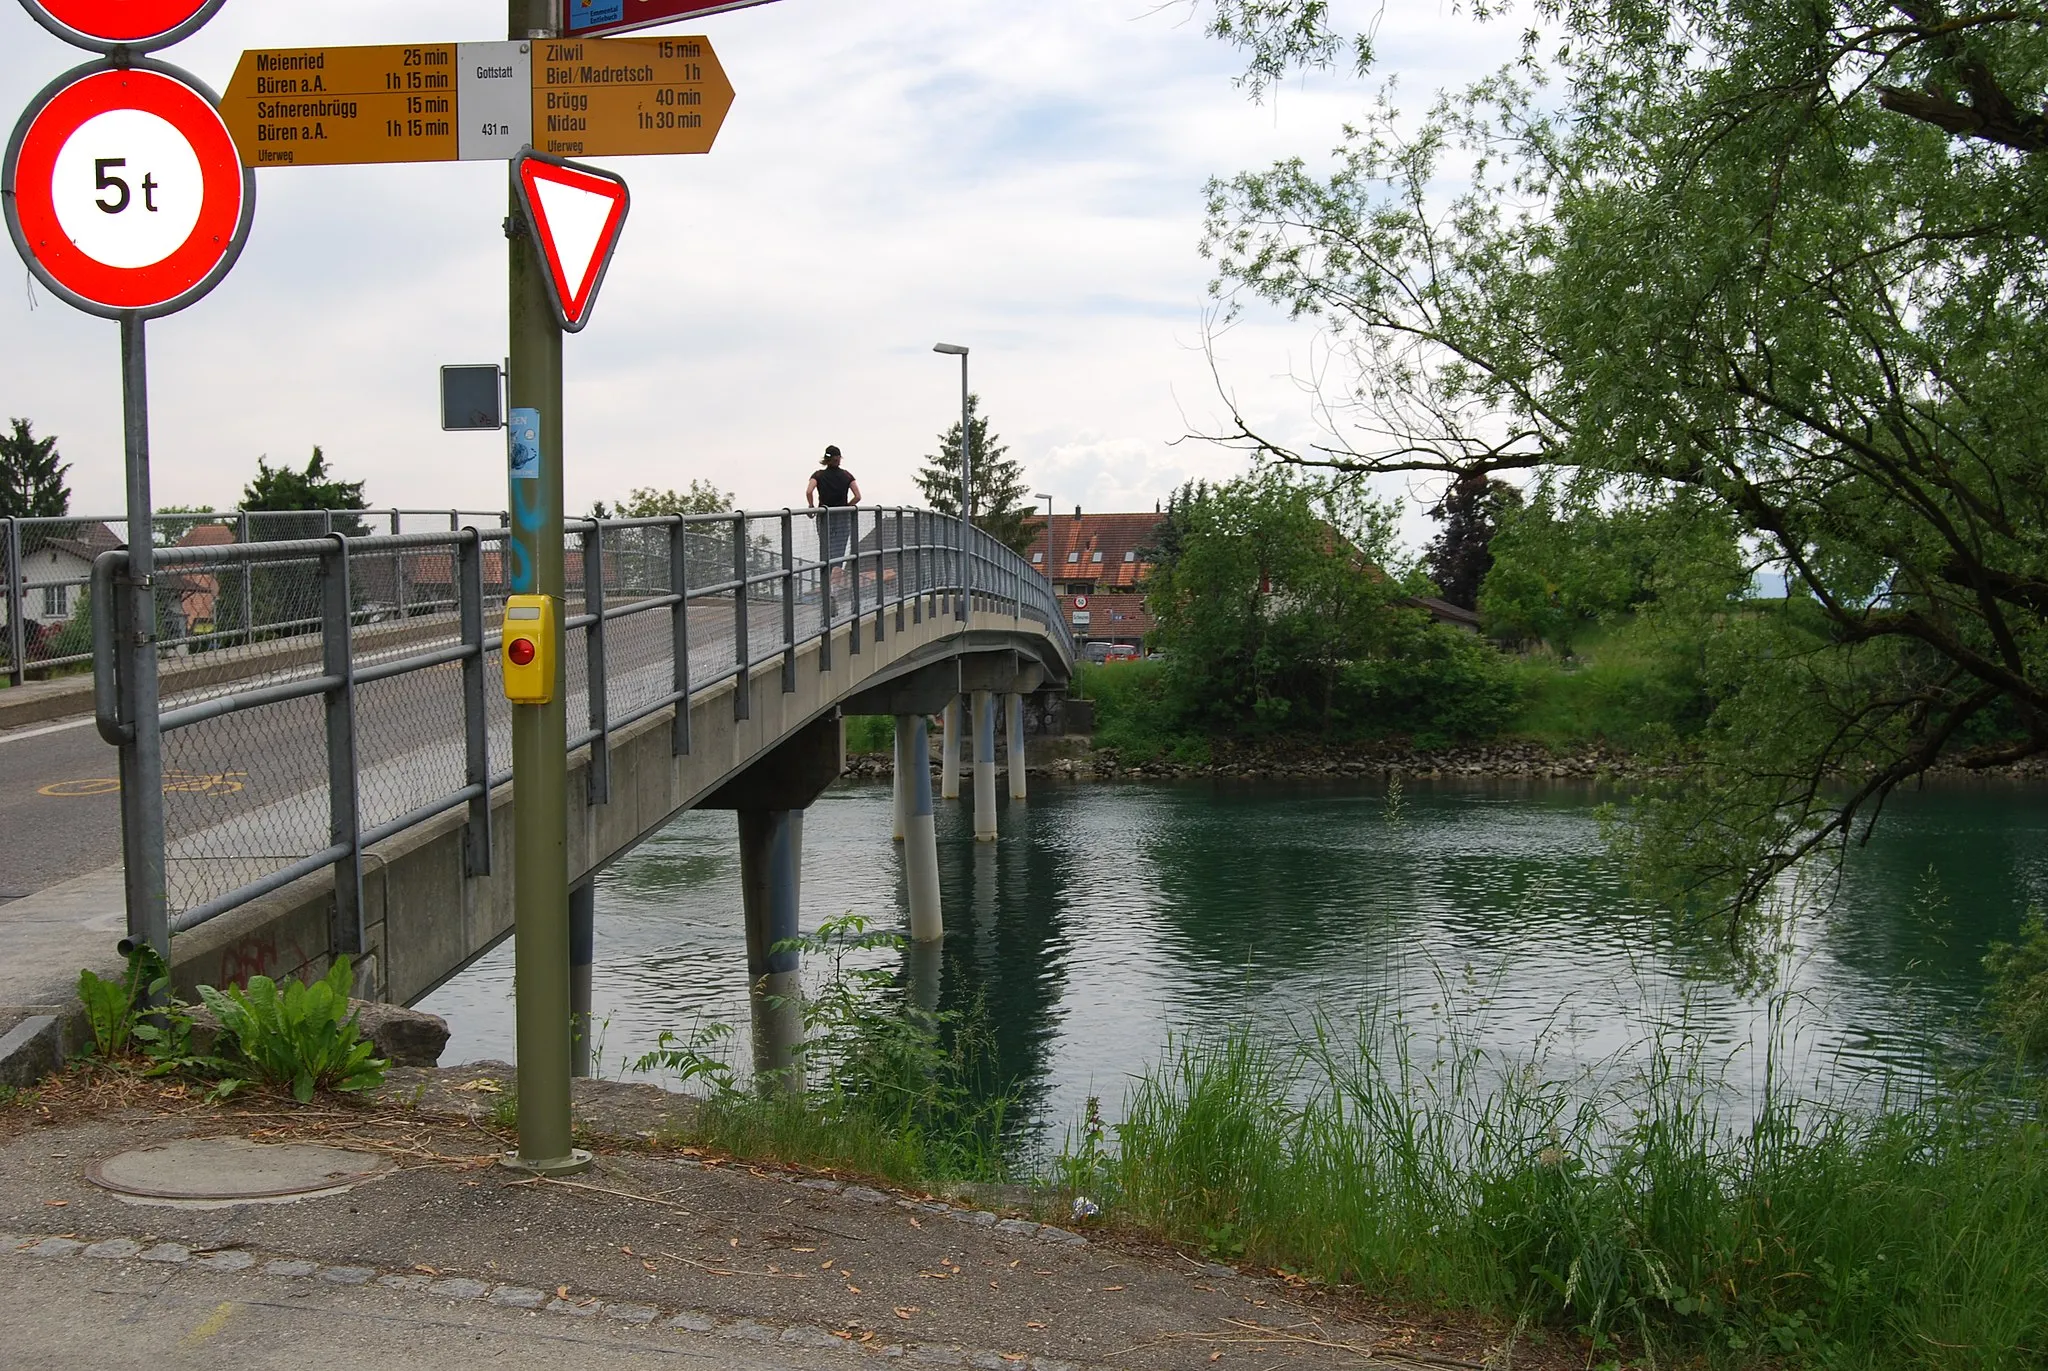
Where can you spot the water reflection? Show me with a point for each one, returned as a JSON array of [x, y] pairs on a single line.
[[1107, 918]]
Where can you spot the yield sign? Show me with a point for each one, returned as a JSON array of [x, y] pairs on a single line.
[[575, 213]]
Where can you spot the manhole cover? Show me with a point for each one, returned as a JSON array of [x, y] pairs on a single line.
[[234, 1171]]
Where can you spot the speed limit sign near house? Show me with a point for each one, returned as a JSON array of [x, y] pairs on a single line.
[[124, 190], [137, 25]]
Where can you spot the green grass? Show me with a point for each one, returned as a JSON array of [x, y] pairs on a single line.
[[1907, 1238], [1627, 685]]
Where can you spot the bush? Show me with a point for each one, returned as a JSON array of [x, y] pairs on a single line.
[[1448, 686], [2019, 989], [1135, 711], [870, 733]]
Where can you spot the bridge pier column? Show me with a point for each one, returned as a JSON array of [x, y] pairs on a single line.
[[949, 748], [771, 865], [1015, 727], [984, 766], [920, 837], [899, 782], [582, 952], [925, 962]]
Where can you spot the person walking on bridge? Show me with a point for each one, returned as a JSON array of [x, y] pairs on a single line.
[[833, 489]]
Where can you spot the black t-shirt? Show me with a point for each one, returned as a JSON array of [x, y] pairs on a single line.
[[834, 485]]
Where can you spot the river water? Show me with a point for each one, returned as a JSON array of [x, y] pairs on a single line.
[[1110, 918]]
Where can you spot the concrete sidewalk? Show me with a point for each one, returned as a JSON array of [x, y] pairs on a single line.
[[658, 1255]]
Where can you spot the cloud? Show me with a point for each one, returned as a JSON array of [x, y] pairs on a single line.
[[1024, 179]]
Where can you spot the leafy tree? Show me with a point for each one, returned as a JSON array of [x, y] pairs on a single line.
[[285, 597], [645, 502], [171, 530], [1277, 615], [32, 482], [1460, 555], [1566, 562], [1002, 505], [1789, 258], [285, 488]]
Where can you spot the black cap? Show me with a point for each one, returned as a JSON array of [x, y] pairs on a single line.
[[831, 450]]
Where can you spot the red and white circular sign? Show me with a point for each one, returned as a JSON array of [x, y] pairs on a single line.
[[125, 192], [138, 25], [1080, 602]]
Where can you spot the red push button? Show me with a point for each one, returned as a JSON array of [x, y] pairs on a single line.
[[520, 651]]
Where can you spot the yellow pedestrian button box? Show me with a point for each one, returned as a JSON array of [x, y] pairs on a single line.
[[529, 651]]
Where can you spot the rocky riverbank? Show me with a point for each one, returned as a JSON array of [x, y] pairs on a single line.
[[1074, 759], [1284, 759]]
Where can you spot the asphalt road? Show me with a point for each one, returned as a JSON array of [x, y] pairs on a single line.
[[96, 1315], [49, 837]]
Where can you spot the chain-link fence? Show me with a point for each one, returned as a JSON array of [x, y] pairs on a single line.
[[46, 606], [352, 686]]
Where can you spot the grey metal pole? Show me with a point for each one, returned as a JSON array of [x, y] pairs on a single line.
[[742, 703], [142, 760], [596, 683], [248, 580], [966, 492], [17, 606], [344, 826], [679, 633], [476, 736], [540, 732]]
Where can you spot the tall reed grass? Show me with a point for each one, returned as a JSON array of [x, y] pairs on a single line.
[[1912, 1235]]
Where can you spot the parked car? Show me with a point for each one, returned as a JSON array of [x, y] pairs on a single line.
[[1098, 653]]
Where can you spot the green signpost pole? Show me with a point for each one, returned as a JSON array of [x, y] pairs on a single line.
[[539, 732]]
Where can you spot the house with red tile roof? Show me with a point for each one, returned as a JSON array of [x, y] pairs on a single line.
[[1097, 566]]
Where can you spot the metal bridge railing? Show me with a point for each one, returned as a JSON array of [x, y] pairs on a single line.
[[46, 607], [344, 723]]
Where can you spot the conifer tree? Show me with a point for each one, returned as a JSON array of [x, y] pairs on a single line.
[[1000, 490], [31, 475]]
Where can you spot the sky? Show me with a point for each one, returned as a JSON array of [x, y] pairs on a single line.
[[1023, 179]]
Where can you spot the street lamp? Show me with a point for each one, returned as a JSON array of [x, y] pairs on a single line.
[[966, 469], [1048, 534]]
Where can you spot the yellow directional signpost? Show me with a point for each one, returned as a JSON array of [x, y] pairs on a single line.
[[447, 102], [537, 92]]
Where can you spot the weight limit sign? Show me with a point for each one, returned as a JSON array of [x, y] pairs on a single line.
[[124, 191]]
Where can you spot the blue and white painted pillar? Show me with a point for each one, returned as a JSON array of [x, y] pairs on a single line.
[[771, 885], [920, 837], [899, 782], [949, 749], [1015, 728], [984, 766]]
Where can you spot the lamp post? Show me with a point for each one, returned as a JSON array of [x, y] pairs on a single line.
[[1048, 536], [966, 473]]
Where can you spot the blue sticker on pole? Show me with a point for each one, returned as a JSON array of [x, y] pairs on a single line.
[[525, 452]]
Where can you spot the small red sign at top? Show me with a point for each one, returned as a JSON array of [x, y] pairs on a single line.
[[575, 212], [588, 18], [138, 25]]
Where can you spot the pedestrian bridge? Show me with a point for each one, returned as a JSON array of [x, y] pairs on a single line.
[[339, 742]]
